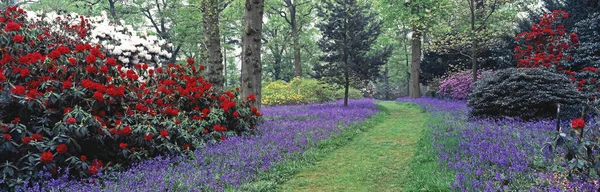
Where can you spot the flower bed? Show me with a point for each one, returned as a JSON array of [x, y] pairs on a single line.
[[494, 154], [67, 105], [286, 132]]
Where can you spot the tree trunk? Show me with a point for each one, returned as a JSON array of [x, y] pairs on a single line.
[[113, 11], [173, 58], [296, 36], [346, 78], [416, 64], [277, 65], [251, 47], [473, 39], [386, 80], [224, 64], [406, 40], [212, 38]]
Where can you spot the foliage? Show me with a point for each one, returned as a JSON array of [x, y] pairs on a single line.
[[523, 93], [588, 54], [352, 94], [66, 104], [349, 30], [550, 47], [119, 41], [303, 91], [457, 85], [580, 144], [501, 154], [287, 133], [389, 91]]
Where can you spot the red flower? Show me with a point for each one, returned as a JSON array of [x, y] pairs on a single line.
[[577, 123], [111, 62], [71, 120], [251, 97], [7, 137], [12, 26], [220, 128], [236, 114], [164, 133], [223, 138], [93, 169], [190, 61], [90, 59], [99, 96], [91, 69], [132, 149], [186, 146], [123, 145], [24, 72], [67, 85], [18, 90], [36, 137], [202, 67], [16, 120], [148, 137], [83, 158], [18, 39], [126, 130], [254, 110], [26, 140], [72, 61], [47, 157], [62, 148]]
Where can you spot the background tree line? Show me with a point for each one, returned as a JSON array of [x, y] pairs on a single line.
[[396, 45]]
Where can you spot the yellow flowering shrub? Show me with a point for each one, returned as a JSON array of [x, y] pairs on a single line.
[[302, 91]]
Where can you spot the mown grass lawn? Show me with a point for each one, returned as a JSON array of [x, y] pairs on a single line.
[[377, 160]]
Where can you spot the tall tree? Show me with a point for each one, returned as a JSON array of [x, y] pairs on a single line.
[[212, 39], [349, 30], [251, 49], [292, 16], [418, 16]]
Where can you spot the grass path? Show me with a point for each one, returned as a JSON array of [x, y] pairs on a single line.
[[376, 160]]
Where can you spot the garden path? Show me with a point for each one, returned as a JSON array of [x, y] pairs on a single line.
[[376, 160]]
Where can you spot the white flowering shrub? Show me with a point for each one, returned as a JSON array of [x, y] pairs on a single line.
[[119, 41]]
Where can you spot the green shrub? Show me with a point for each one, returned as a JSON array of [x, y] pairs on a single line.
[[524, 93], [303, 90], [352, 93]]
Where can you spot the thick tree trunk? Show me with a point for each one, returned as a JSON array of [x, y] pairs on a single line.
[[212, 38], [416, 64], [251, 47], [296, 36]]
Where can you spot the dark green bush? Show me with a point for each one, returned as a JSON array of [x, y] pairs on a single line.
[[524, 93]]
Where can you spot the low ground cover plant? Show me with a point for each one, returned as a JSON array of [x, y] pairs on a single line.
[[287, 131], [507, 154]]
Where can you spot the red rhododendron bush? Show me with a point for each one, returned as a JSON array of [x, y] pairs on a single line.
[[550, 47], [65, 104]]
